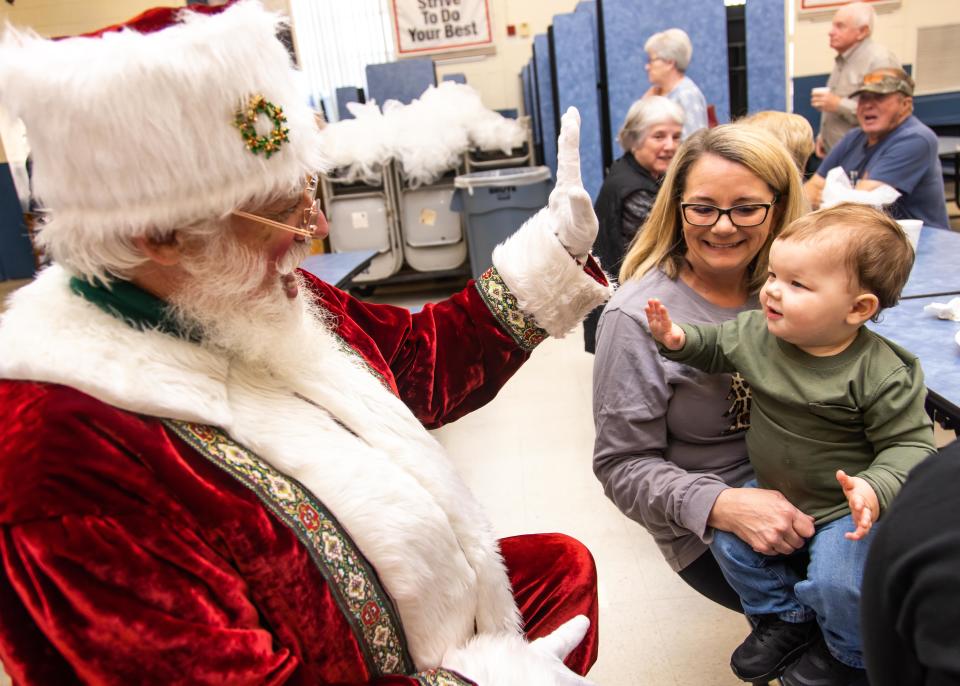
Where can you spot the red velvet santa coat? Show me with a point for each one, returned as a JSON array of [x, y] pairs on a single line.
[[126, 556]]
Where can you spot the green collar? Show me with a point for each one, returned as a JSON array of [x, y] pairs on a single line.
[[132, 304]]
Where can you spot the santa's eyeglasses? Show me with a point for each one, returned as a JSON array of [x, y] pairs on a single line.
[[308, 218]]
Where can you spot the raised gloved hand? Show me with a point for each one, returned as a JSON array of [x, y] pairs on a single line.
[[508, 660], [570, 210]]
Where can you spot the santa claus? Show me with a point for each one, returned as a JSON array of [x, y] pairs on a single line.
[[214, 468]]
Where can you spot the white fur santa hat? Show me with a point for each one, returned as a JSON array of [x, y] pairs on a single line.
[[132, 131]]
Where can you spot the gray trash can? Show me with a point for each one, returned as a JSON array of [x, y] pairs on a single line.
[[495, 203]]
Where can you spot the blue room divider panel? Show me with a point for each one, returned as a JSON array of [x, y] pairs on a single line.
[[16, 253], [802, 85], [626, 26], [766, 56], [534, 101], [573, 38], [548, 130], [344, 95], [590, 7], [404, 80], [525, 86]]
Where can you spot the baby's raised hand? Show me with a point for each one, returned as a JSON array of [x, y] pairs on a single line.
[[864, 504], [664, 331]]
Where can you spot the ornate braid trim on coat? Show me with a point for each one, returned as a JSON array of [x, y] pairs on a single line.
[[355, 586], [441, 677], [503, 304]]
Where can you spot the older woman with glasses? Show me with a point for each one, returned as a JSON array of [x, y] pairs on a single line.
[[670, 448], [668, 56], [649, 137]]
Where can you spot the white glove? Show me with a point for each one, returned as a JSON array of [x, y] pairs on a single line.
[[570, 211], [508, 660]]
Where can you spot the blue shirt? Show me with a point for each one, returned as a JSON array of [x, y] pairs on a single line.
[[907, 159], [694, 105]]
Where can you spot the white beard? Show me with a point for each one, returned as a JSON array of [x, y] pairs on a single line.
[[234, 300]]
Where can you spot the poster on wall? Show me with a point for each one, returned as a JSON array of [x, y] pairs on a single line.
[[808, 7], [424, 27]]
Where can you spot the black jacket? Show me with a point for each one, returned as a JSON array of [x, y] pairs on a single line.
[[622, 206], [910, 607]]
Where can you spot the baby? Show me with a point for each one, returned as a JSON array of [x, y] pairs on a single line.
[[837, 422]]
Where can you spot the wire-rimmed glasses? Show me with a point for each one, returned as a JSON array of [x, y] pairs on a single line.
[[309, 216]]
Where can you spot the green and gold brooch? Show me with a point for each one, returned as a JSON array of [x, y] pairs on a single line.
[[246, 119]]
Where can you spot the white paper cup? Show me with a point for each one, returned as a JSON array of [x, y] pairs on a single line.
[[911, 227], [820, 90]]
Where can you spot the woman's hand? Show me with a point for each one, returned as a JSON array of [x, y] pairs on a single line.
[[864, 504], [761, 518], [662, 328]]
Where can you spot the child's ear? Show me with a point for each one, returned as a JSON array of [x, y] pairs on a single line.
[[864, 307]]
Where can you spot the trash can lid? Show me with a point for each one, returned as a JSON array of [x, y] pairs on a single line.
[[512, 176]]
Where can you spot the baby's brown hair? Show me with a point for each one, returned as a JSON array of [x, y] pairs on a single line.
[[873, 247]]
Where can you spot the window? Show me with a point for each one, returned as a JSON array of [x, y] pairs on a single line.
[[337, 40]]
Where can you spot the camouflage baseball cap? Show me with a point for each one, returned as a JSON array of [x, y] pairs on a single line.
[[882, 81]]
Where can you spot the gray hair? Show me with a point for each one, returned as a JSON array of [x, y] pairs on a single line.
[[672, 45], [643, 115], [102, 258], [862, 14]]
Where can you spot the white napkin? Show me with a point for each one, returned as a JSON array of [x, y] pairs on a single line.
[[950, 310], [837, 189]]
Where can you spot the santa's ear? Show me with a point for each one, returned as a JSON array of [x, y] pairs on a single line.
[[864, 307], [164, 249]]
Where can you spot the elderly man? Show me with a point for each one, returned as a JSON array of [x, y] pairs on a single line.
[[890, 147], [214, 469], [857, 54]]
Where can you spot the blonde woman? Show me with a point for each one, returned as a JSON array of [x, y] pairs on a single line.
[[670, 448]]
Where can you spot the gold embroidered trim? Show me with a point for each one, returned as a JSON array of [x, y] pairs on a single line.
[[353, 582], [503, 304], [441, 677]]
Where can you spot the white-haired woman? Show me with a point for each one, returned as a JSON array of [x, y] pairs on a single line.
[[649, 137], [668, 56]]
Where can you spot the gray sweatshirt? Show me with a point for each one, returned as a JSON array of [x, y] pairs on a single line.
[[670, 438]]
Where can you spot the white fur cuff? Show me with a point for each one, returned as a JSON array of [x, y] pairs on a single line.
[[546, 281]]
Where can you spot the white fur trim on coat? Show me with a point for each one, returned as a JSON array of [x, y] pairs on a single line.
[[546, 281], [389, 482]]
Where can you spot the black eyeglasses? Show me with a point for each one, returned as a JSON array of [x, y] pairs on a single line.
[[741, 216]]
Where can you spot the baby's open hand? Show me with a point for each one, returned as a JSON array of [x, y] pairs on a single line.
[[664, 331], [864, 505]]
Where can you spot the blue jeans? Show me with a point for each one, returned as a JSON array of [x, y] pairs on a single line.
[[769, 584]]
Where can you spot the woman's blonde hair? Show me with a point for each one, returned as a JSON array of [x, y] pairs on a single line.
[[660, 243], [790, 129]]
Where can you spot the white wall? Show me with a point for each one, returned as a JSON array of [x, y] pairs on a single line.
[[896, 29]]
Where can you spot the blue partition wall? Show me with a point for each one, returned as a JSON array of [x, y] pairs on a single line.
[[535, 111], [548, 132], [766, 56], [574, 37], [626, 26], [404, 80]]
